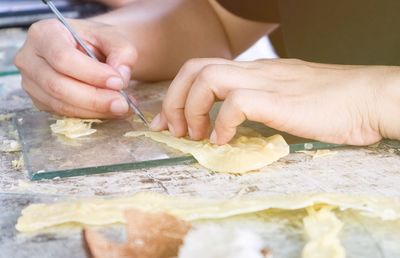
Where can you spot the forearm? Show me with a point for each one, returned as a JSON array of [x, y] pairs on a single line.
[[241, 33], [114, 3], [167, 33], [388, 104]]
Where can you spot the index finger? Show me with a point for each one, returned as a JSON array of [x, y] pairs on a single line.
[[60, 51], [175, 99]]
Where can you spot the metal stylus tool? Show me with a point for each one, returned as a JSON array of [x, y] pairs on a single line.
[[61, 18]]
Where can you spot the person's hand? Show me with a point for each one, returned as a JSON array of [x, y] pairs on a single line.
[[331, 103], [61, 78]]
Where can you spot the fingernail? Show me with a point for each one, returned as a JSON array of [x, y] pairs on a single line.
[[190, 133], [125, 72], [115, 83], [155, 124], [119, 106], [213, 137], [171, 129]]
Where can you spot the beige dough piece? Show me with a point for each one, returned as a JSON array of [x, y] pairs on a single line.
[[10, 146], [74, 127], [18, 163], [97, 211], [319, 153], [246, 152], [322, 230]]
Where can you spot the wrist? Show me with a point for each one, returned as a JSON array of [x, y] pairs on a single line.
[[388, 104]]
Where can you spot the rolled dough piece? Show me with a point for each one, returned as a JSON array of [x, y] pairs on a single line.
[[246, 152], [74, 127], [97, 211], [322, 230]]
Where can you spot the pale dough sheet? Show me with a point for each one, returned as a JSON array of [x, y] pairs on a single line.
[[96, 211], [248, 151], [74, 127], [322, 230]]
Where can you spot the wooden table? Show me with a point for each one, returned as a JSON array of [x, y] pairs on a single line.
[[370, 170]]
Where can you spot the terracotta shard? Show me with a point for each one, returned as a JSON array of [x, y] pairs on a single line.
[[150, 235], [98, 246]]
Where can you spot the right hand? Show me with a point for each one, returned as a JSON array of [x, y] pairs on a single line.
[[342, 104], [61, 78]]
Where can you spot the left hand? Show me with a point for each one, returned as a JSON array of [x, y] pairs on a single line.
[[62, 79], [329, 103]]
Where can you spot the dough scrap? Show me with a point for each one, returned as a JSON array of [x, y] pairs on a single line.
[[248, 150], [18, 163], [10, 146], [319, 153], [74, 127], [322, 230], [97, 211]]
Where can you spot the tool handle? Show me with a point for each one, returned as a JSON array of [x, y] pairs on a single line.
[[61, 18]]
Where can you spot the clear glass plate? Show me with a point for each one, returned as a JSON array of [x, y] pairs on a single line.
[[47, 155]]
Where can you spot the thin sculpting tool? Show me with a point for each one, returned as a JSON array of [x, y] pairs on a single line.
[[61, 18]]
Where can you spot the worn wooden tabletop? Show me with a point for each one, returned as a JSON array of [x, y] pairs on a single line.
[[356, 170], [369, 170]]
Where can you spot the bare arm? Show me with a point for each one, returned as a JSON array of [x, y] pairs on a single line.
[[388, 107], [114, 3], [169, 32]]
